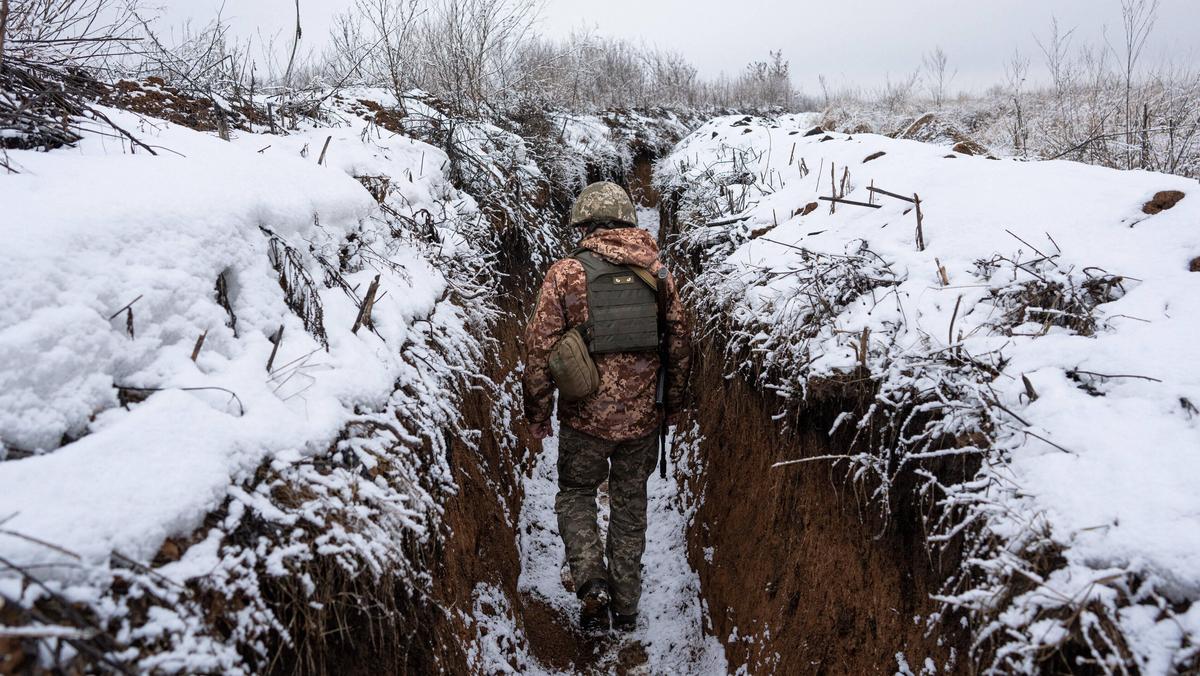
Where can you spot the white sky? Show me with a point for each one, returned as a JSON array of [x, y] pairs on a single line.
[[858, 42]]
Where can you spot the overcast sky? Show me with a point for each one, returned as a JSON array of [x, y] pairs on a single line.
[[857, 42]]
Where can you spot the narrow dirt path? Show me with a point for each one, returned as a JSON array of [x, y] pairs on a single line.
[[670, 636]]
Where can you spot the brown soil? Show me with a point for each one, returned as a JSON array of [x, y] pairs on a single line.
[[1162, 200], [966, 148], [795, 555], [391, 119], [480, 544], [154, 98], [641, 185]]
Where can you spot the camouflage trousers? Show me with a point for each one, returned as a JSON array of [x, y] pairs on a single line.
[[584, 462]]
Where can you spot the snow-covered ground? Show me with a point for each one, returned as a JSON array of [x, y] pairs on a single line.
[[90, 229], [673, 616], [1048, 326], [648, 219], [110, 270]]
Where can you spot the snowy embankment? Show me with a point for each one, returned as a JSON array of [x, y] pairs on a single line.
[[1038, 317], [191, 401]]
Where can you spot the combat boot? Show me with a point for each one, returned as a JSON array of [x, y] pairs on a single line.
[[593, 608], [624, 623]]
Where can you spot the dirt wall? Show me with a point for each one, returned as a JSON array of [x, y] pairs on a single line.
[[479, 525], [797, 577]]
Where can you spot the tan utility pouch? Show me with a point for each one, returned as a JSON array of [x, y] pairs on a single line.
[[572, 367]]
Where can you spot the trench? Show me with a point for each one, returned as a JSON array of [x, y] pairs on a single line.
[[770, 571]]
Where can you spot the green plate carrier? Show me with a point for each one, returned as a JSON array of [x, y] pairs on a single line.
[[622, 307]]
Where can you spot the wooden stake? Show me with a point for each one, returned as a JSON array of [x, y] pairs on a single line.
[[277, 340], [833, 188], [364, 310], [920, 232], [954, 316], [1029, 391], [321, 159], [942, 276], [199, 344], [881, 191], [871, 192], [842, 201]]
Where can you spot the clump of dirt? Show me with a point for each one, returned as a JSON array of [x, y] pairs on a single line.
[[152, 97], [556, 639], [391, 119], [1162, 200], [966, 148], [930, 128], [798, 577]]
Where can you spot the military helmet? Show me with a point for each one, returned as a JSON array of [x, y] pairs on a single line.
[[603, 202]]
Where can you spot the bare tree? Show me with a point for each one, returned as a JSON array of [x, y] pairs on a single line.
[[1016, 71], [935, 65], [1137, 20], [896, 94], [1056, 50], [391, 39], [67, 32]]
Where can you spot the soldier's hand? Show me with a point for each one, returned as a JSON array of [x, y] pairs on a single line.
[[541, 430]]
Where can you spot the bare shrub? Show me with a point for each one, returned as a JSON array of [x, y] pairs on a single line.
[[1098, 102]]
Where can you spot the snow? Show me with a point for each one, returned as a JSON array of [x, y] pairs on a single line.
[[91, 229], [672, 618], [648, 219], [91, 489], [1107, 463]]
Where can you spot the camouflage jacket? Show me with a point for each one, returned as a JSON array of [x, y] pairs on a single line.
[[623, 406]]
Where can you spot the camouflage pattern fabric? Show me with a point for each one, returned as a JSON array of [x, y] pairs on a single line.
[[622, 408], [583, 464], [603, 201]]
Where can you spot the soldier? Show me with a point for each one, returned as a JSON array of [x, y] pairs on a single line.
[[606, 292]]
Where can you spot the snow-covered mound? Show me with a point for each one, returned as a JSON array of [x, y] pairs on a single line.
[[183, 339], [1040, 319]]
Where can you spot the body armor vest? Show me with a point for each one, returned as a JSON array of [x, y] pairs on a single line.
[[622, 308]]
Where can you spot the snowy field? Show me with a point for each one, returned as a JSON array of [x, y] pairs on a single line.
[[1041, 317]]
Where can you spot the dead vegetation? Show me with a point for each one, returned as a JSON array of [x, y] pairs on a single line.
[[1101, 102]]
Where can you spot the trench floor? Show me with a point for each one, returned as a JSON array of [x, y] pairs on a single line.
[[671, 636]]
